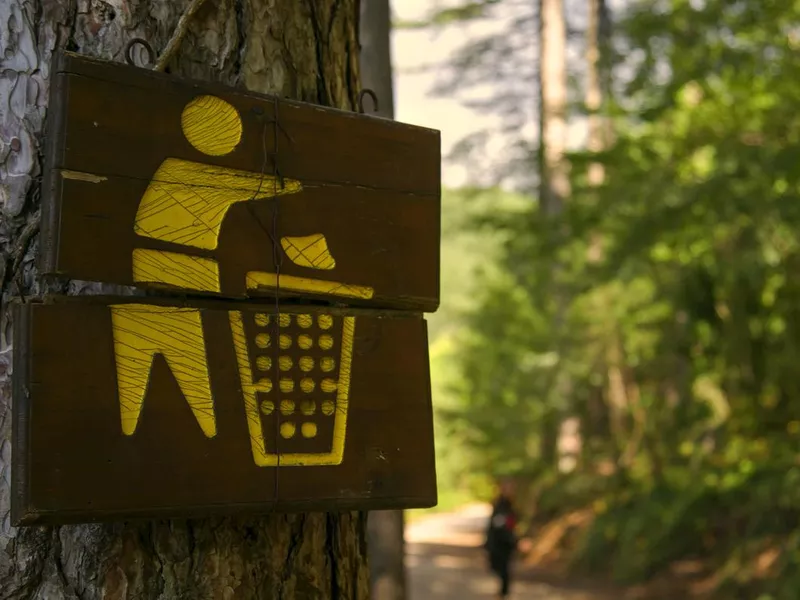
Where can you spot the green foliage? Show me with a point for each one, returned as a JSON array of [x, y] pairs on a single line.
[[668, 320], [449, 16], [466, 252]]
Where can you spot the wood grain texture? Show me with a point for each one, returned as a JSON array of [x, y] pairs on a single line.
[[75, 461], [219, 195]]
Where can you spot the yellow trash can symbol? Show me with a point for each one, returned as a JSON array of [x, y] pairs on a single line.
[[308, 407]]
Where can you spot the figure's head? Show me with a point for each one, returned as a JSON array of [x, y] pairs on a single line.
[[507, 487], [211, 125]]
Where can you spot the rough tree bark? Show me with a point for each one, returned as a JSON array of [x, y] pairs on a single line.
[[384, 528], [303, 49]]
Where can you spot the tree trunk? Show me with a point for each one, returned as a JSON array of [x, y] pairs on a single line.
[[595, 143], [384, 528], [594, 94], [376, 53], [387, 554], [305, 50], [554, 185]]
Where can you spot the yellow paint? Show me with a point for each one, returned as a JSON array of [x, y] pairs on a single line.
[[337, 410], [309, 430], [327, 364], [259, 279], [288, 430], [81, 176], [172, 268], [211, 125], [343, 393], [186, 202], [250, 393], [143, 330], [309, 251], [325, 342]]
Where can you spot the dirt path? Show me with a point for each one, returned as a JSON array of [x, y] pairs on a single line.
[[446, 562]]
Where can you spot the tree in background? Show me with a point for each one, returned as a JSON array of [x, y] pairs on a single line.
[[386, 546], [680, 305], [375, 36], [307, 51], [554, 184], [493, 73]]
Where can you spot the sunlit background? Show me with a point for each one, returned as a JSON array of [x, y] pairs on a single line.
[[628, 350]]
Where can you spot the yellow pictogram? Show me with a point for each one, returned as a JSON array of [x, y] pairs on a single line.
[[143, 330], [300, 408], [187, 201], [259, 279], [175, 269], [310, 251], [185, 204]]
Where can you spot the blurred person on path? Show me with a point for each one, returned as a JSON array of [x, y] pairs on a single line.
[[501, 540]]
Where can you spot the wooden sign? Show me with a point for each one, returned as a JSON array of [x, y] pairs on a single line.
[[162, 183], [125, 408], [276, 370]]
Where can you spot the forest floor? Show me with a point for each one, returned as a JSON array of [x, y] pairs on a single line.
[[445, 561]]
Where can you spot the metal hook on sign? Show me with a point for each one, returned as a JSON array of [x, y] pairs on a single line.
[[371, 94], [151, 55]]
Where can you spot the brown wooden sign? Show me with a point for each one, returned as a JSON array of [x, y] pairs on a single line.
[[162, 183], [125, 408], [291, 380]]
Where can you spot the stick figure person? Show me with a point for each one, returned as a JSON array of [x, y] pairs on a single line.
[[184, 204]]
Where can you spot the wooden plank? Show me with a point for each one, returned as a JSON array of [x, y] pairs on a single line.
[[140, 164], [124, 409]]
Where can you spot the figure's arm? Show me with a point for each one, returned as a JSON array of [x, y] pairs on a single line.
[[186, 202]]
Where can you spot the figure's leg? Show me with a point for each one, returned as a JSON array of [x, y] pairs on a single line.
[[505, 580], [143, 330]]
